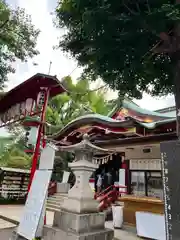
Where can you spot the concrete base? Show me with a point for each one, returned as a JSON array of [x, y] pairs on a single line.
[[80, 206], [52, 233], [78, 223], [63, 187], [72, 226]]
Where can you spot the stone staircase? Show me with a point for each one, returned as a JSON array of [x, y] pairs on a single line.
[[54, 202]]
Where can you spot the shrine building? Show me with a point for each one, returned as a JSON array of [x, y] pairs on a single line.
[[134, 134]]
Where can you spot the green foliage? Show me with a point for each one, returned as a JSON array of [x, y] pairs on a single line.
[[18, 38], [12, 150], [79, 101], [15, 158], [113, 40], [64, 108]]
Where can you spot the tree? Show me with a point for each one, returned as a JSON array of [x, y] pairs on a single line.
[[17, 158], [78, 101], [18, 39], [13, 155], [134, 46], [12, 149]]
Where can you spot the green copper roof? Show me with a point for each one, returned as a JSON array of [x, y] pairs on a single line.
[[153, 125], [132, 106], [92, 119], [109, 122], [171, 114]]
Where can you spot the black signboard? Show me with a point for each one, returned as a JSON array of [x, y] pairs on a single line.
[[170, 158]]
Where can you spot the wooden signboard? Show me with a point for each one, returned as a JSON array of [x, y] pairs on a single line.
[[33, 211], [170, 156]]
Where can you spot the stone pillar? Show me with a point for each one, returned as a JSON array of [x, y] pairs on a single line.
[[80, 196], [78, 218]]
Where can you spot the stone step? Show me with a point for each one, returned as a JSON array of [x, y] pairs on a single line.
[[55, 203], [52, 205], [56, 200], [58, 196], [52, 209]]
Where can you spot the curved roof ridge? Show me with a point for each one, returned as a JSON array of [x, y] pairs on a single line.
[[91, 119], [156, 123], [29, 89], [129, 104], [143, 111]]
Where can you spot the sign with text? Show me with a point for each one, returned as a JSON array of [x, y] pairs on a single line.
[[170, 158], [33, 210], [47, 157]]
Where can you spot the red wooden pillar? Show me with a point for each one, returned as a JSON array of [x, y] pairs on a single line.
[[38, 142], [43, 145], [40, 138]]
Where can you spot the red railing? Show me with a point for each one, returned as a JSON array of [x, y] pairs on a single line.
[[107, 197], [52, 189]]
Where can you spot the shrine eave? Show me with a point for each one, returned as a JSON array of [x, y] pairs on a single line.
[[130, 106], [29, 89], [91, 119], [137, 140], [153, 125]]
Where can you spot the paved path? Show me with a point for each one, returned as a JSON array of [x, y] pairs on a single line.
[[127, 233], [14, 212]]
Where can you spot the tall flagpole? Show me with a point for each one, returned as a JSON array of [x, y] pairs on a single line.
[[49, 67]]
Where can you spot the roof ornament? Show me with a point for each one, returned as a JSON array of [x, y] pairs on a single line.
[[84, 148]]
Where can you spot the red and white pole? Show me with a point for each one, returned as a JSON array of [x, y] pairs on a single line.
[[38, 142]]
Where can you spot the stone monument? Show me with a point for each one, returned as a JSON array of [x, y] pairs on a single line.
[[32, 219], [170, 154], [78, 217]]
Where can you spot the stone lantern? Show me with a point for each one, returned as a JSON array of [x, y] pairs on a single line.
[[78, 217], [80, 196]]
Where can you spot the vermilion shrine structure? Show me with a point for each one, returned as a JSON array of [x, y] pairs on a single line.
[[132, 132], [126, 126], [29, 99]]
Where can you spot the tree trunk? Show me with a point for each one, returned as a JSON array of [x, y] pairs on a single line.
[[177, 93], [176, 63]]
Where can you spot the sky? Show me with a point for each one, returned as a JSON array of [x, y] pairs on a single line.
[[62, 65]]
